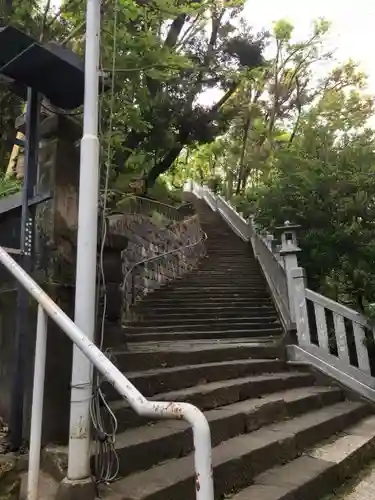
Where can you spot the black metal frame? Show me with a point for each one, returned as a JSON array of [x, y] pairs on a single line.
[[26, 247]]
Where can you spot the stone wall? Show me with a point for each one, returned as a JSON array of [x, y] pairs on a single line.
[[156, 253]]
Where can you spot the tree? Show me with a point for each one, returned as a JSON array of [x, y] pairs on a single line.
[[162, 56], [174, 52], [300, 148], [37, 19], [326, 183]]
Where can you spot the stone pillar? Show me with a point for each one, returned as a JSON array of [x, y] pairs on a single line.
[[55, 235], [55, 260], [298, 278], [288, 251], [57, 219]]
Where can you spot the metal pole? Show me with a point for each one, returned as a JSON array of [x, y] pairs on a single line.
[[37, 405], [79, 438], [29, 181], [152, 409]]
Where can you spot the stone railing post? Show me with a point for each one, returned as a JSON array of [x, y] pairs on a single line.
[[288, 251], [251, 233], [270, 241], [298, 284]]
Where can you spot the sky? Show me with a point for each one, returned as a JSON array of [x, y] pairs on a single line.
[[352, 32]]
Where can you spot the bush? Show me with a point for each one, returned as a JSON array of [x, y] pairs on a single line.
[[8, 186]]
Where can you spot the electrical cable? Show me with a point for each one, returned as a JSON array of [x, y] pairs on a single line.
[[106, 462]]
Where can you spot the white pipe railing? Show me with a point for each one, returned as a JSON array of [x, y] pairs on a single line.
[[153, 409]]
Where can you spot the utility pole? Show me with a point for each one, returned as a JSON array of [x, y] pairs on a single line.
[[79, 438]]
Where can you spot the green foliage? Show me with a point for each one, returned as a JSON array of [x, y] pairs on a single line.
[[301, 150], [8, 186], [214, 183], [162, 56], [283, 30]]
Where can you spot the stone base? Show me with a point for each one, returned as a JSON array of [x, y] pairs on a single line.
[[83, 489]]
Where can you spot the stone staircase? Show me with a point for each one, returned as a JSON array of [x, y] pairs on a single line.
[[213, 339]]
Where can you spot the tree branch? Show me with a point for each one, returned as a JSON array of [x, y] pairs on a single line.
[[175, 31], [44, 20]]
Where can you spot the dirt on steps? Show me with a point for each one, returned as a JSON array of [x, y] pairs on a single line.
[[360, 487]]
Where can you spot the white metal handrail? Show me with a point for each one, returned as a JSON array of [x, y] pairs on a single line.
[[153, 409]]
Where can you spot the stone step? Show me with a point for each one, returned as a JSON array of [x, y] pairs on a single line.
[[178, 287], [228, 264], [151, 382], [204, 323], [202, 326], [235, 260], [146, 356], [222, 282], [203, 310], [243, 335], [249, 272], [320, 471], [145, 447], [238, 460], [215, 394], [222, 279], [191, 301], [208, 318], [244, 275], [213, 293]]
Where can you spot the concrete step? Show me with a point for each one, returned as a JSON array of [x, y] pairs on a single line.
[[227, 333], [147, 356], [246, 273], [213, 293], [220, 282], [210, 279], [203, 310], [145, 447], [238, 460], [320, 471], [223, 326], [215, 394], [151, 382], [202, 324], [179, 288], [117, 335], [220, 301], [164, 319], [222, 265], [254, 276]]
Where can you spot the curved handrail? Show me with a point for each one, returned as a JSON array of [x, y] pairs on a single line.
[[144, 407], [170, 209]]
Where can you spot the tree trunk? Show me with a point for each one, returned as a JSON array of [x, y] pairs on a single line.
[[162, 166], [243, 151]]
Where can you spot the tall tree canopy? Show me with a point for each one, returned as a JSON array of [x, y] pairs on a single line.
[[301, 149], [162, 55]]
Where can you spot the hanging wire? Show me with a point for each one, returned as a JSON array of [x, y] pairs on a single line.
[[106, 463]]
